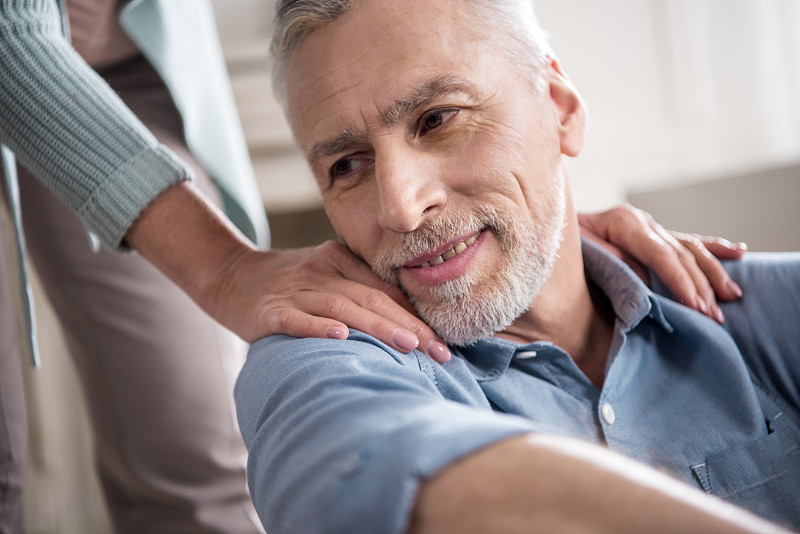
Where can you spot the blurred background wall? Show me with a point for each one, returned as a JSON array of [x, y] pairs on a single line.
[[694, 114]]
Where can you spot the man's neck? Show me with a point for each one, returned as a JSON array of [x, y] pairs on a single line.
[[570, 312]]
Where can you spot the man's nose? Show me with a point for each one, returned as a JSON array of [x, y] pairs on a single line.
[[410, 189]]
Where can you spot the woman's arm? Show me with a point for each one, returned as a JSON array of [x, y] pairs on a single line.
[[71, 130]]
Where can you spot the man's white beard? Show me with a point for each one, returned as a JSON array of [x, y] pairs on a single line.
[[476, 305]]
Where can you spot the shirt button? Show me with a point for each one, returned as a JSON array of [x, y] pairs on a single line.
[[525, 354], [608, 413]]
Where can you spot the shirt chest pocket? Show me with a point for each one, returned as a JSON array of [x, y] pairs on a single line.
[[759, 475]]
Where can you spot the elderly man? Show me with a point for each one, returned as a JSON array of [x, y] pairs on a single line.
[[438, 132]]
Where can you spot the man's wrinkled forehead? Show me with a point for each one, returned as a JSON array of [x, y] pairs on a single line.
[[371, 59]]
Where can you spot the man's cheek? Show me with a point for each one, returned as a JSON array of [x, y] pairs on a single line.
[[336, 215]]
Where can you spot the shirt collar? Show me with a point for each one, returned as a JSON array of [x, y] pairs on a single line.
[[631, 300]]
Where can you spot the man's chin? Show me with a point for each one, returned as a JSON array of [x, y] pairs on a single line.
[[462, 334], [464, 321], [465, 310]]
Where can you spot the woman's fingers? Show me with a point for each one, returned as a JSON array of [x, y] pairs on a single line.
[[687, 264]]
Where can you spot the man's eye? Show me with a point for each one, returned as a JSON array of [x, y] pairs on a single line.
[[345, 166], [435, 118]]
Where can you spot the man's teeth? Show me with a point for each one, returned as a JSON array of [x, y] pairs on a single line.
[[450, 254]]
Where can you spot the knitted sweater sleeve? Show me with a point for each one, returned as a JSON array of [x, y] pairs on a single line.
[[70, 129]]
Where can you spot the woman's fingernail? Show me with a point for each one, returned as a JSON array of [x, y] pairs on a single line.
[[337, 332], [702, 306], [741, 246], [438, 351], [718, 315], [733, 286], [405, 340]]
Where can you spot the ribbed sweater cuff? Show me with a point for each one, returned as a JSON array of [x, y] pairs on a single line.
[[113, 208]]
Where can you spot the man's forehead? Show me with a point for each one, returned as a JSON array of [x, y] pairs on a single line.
[[350, 68], [405, 25]]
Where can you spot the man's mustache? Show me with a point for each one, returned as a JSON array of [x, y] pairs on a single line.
[[433, 232]]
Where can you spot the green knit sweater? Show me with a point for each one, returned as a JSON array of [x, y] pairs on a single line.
[[73, 132]]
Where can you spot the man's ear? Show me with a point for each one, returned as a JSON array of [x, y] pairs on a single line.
[[572, 116]]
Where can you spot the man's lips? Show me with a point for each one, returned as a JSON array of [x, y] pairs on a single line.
[[444, 253], [434, 268]]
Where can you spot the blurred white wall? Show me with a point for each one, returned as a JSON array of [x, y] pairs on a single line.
[[679, 91]]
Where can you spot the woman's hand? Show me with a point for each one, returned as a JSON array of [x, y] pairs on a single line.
[[686, 263], [318, 292], [311, 292]]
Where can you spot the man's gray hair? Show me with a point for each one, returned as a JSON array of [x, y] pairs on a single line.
[[511, 23]]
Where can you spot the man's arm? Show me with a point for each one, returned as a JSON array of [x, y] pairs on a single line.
[[352, 437], [546, 484], [340, 433]]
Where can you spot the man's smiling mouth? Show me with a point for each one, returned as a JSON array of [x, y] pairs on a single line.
[[450, 253]]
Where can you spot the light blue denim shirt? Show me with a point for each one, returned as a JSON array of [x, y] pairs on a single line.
[[341, 433]]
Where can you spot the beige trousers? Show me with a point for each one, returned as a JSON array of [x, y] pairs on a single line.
[[157, 372], [13, 423]]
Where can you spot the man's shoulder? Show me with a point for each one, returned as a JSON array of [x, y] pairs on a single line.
[[271, 360], [770, 282], [766, 269], [357, 343], [769, 311], [764, 323], [278, 367]]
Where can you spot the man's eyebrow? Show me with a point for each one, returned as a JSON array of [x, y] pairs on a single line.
[[432, 88], [340, 143]]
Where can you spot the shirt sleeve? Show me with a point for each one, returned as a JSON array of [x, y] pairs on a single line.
[[341, 433], [70, 129]]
